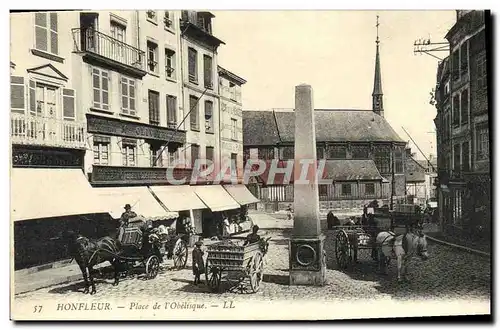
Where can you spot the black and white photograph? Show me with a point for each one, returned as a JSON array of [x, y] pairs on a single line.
[[261, 165]]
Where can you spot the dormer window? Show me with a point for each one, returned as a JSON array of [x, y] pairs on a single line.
[[204, 21]]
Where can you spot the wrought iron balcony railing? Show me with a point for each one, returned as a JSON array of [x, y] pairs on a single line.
[[89, 40], [43, 131]]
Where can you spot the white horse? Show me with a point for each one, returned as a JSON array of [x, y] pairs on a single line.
[[402, 248]]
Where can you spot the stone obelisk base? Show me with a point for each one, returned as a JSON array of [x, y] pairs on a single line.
[[307, 261]]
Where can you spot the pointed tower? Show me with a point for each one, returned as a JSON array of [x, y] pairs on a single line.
[[377, 95]]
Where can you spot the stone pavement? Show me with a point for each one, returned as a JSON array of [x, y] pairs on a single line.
[[448, 274]]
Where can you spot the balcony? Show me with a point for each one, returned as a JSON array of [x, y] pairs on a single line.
[[99, 47], [42, 131]]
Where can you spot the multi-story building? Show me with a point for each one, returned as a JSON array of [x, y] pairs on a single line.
[[231, 112], [120, 96], [462, 124], [364, 155]]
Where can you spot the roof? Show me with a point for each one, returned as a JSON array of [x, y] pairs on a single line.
[[230, 75], [270, 127], [351, 170], [414, 177], [334, 170]]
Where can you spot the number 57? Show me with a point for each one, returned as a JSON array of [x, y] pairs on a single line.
[[38, 309]]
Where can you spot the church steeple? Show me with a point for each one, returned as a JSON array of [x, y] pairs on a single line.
[[377, 95]]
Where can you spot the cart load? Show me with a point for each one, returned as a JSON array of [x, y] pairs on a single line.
[[241, 263]]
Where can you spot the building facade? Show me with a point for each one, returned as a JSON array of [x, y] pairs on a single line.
[[462, 122], [110, 100]]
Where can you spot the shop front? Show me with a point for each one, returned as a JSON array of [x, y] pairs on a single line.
[[44, 203], [240, 193]]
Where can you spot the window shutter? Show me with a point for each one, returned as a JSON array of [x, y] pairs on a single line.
[[41, 41], [53, 33], [69, 104], [17, 95], [32, 97]]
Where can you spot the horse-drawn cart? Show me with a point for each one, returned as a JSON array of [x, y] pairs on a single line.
[[142, 242], [242, 263]]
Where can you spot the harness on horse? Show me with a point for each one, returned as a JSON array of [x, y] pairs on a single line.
[[391, 240]]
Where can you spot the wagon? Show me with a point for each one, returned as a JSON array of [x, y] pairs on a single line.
[[231, 260], [144, 244], [350, 239]]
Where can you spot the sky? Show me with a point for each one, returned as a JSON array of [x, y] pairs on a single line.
[[334, 52]]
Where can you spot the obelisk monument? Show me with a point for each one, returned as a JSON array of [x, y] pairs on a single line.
[[307, 256]]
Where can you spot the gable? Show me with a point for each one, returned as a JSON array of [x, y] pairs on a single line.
[[48, 70]]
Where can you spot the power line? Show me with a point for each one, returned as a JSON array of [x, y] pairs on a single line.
[[428, 161]]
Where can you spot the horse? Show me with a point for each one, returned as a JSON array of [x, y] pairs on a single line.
[[88, 253], [402, 248]]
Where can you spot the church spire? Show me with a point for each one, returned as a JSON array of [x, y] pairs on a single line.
[[377, 95]]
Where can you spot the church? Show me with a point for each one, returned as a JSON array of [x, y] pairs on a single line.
[[364, 155]]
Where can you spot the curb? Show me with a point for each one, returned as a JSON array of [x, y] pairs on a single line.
[[473, 251], [37, 286]]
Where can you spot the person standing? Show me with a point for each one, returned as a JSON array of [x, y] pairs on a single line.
[[198, 263]]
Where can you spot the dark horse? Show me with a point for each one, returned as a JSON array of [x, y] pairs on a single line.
[[88, 253]]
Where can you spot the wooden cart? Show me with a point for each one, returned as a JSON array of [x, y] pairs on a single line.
[[232, 261]]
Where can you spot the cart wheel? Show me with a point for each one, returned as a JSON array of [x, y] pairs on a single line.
[[152, 267], [342, 249], [256, 272], [180, 254], [213, 277]]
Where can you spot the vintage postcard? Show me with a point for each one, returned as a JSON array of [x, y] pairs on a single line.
[[250, 165]]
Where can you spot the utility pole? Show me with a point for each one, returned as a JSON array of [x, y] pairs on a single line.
[[393, 184]]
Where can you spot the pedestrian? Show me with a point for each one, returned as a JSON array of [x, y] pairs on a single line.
[[198, 263], [253, 237]]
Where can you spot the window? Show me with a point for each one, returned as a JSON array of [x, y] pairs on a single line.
[[265, 153], [346, 189], [173, 155], [369, 189], [319, 153], [209, 127], [17, 98], [483, 143], [43, 102], [234, 163], [234, 127], [169, 63], [204, 22], [465, 157], [101, 150], [287, 153], [398, 162], [193, 65], [195, 152], [209, 153], [128, 96], [171, 111], [156, 155], [232, 91], [151, 16], [456, 110], [100, 85], [193, 107], [323, 190], [118, 33], [152, 57], [481, 71], [168, 19], [464, 59], [46, 38], [360, 152], [129, 152], [382, 160], [464, 106], [456, 157], [207, 72], [337, 152], [455, 62], [154, 107]]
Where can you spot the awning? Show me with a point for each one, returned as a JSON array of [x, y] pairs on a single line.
[[241, 194], [178, 198], [42, 193], [216, 198], [140, 198]]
